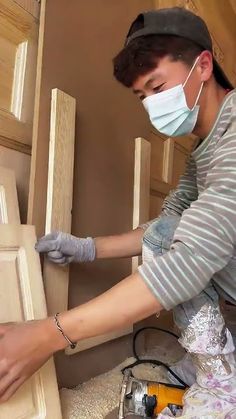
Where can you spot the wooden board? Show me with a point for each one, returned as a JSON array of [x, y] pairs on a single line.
[[141, 200], [9, 207], [22, 298], [59, 192], [140, 215]]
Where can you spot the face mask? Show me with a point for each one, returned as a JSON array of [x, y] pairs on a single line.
[[168, 111]]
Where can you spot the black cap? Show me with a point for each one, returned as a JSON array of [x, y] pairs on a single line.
[[179, 22]]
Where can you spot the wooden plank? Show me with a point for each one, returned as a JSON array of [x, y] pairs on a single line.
[[141, 200], [22, 298], [168, 157], [59, 192], [98, 340], [9, 207], [33, 185], [141, 181]]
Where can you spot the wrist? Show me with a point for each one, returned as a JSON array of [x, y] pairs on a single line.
[[54, 337]]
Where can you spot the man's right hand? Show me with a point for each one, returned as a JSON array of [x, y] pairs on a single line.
[[63, 248]]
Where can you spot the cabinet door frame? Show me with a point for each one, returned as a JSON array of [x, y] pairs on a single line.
[[9, 207], [18, 37], [21, 299]]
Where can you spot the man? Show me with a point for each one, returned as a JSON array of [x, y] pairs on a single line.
[[167, 61]]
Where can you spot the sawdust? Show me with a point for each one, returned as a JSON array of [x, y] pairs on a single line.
[[96, 398]]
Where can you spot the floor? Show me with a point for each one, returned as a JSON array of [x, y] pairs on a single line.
[[99, 397]]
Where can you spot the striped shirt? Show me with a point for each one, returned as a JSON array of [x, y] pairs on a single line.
[[204, 244]]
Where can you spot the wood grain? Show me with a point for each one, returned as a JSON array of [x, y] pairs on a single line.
[[59, 192]]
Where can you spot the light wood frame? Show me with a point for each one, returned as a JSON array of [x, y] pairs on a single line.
[[9, 207]]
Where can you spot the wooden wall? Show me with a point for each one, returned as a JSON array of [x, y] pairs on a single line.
[[79, 42]]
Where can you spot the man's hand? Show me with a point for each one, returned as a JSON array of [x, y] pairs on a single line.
[[24, 348], [63, 248]]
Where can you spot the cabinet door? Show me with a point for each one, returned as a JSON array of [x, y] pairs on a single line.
[[22, 298], [18, 49], [9, 208]]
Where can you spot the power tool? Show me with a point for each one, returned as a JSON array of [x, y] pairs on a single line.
[[148, 398]]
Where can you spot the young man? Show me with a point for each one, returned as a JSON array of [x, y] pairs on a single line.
[[189, 251]]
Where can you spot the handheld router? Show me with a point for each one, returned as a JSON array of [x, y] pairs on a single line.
[[148, 398]]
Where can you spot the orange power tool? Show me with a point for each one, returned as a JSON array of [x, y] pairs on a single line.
[[148, 398]]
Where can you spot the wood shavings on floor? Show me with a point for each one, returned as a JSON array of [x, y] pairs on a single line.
[[96, 398]]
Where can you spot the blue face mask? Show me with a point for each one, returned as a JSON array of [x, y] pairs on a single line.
[[168, 111]]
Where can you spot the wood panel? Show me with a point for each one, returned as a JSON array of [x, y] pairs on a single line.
[[21, 299], [19, 163], [31, 6], [59, 192], [141, 200], [168, 157], [33, 207], [18, 49], [9, 207], [141, 205]]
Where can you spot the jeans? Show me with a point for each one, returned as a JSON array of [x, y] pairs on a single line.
[[204, 336]]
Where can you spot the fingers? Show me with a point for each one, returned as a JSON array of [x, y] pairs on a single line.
[[47, 243], [11, 389], [57, 257]]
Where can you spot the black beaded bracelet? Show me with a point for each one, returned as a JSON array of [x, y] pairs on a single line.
[[72, 344]]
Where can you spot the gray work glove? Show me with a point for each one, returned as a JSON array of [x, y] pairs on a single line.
[[63, 248]]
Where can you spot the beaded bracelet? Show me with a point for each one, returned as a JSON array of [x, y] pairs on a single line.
[[72, 344]]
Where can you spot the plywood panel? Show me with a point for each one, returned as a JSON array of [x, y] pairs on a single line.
[[59, 192], [21, 299], [9, 207]]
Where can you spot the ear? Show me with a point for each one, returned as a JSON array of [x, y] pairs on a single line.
[[205, 65]]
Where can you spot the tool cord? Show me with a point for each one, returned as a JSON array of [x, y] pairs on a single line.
[[153, 361]]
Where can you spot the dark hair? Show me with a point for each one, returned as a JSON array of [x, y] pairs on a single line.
[[142, 55]]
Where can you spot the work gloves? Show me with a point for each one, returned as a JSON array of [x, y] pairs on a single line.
[[63, 248]]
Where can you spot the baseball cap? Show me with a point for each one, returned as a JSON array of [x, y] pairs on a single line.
[[179, 22]]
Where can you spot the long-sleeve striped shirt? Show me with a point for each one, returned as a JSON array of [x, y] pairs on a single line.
[[204, 244]]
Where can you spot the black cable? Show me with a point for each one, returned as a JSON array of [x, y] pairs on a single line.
[[153, 361], [149, 328]]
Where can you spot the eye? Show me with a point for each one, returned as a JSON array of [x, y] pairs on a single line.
[[157, 89], [142, 97]]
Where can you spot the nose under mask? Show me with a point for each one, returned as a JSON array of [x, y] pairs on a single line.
[[168, 111]]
